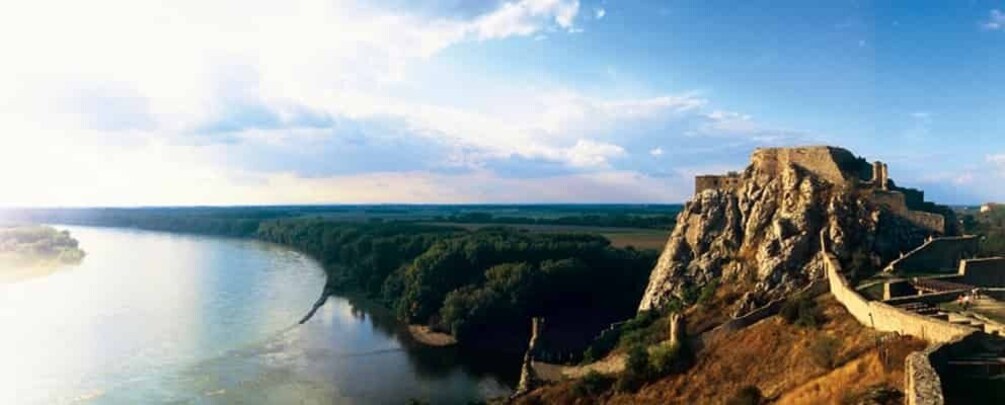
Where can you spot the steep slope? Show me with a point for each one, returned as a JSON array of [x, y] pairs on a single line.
[[761, 228], [841, 361]]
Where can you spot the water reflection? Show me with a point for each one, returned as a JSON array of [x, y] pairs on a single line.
[[153, 317]]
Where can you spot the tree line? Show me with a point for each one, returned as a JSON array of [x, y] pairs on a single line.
[[481, 286]]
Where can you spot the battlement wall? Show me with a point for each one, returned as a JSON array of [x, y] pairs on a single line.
[[937, 255], [835, 165], [927, 220], [728, 182], [988, 272]]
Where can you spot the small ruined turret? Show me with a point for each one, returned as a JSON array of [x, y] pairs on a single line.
[[677, 329], [528, 379]]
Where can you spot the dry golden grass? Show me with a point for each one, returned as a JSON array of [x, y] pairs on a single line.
[[781, 360]]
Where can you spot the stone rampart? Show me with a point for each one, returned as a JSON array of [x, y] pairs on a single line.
[[931, 299], [728, 182], [770, 309], [988, 272], [936, 255], [888, 318], [831, 164], [922, 383], [927, 220]]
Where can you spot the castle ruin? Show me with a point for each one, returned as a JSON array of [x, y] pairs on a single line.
[[841, 167]]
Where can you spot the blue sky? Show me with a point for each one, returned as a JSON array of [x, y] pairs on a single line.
[[117, 102]]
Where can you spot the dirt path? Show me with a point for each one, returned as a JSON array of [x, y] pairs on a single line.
[[556, 372]]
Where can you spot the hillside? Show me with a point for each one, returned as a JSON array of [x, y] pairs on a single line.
[[743, 268], [838, 361]]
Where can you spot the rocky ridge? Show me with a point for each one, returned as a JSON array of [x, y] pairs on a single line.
[[764, 227]]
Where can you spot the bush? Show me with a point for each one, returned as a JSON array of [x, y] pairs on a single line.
[[802, 311], [592, 385], [749, 395], [636, 369], [665, 359], [824, 351], [708, 292]]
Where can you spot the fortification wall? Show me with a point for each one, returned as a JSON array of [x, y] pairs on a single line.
[[936, 255], [892, 200], [887, 318], [727, 182], [898, 289], [922, 383], [921, 373], [988, 272], [931, 299], [927, 220], [826, 162]]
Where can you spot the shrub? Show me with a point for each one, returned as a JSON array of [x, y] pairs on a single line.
[[824, 351], [708, 292], [592, 385], [749, 395], [645, 329], [802, 311], [636, 369], [665, 359]]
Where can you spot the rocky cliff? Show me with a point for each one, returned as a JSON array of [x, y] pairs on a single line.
[[764, 228]]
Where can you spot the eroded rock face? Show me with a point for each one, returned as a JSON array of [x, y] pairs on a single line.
[[766, 233]]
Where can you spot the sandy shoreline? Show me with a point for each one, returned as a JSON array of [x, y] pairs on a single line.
[[426, 336]]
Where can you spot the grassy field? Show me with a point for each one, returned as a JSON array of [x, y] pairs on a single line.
[[620, 237]]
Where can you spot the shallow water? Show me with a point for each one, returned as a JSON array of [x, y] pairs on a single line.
[[155, 317]]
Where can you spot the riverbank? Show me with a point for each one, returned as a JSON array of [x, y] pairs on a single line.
[[429, 337]]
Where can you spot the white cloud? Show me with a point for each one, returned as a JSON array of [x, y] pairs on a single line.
[[599, 13], [995, 22], [525, 17], [145, 102], [587, 154], [658, 151]]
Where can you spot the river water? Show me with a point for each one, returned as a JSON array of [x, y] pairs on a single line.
[[152, 317]]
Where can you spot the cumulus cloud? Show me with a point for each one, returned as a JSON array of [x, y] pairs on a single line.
[[995, 21], [599, 13], [656, 151]]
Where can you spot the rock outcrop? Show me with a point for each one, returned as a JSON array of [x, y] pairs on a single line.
[[764, 228]]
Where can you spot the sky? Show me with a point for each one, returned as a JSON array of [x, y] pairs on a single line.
[[219, 102]]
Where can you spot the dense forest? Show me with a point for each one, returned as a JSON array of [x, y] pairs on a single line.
[[482, 286]]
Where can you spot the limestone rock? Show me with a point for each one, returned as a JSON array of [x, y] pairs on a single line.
[[765, 228]]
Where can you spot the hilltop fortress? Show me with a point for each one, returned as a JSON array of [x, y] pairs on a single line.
[[798, 216], [839, 167]]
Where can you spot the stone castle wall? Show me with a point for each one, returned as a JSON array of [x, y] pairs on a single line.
[[921, 380], [989, 272], [885, 317], [937, 255], [927, 220], [898, 203], [728, 182], [829, 163]]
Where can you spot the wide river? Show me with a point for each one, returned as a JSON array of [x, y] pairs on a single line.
[[153, 317]]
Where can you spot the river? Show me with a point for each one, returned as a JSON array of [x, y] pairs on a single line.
[[152, 317]]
